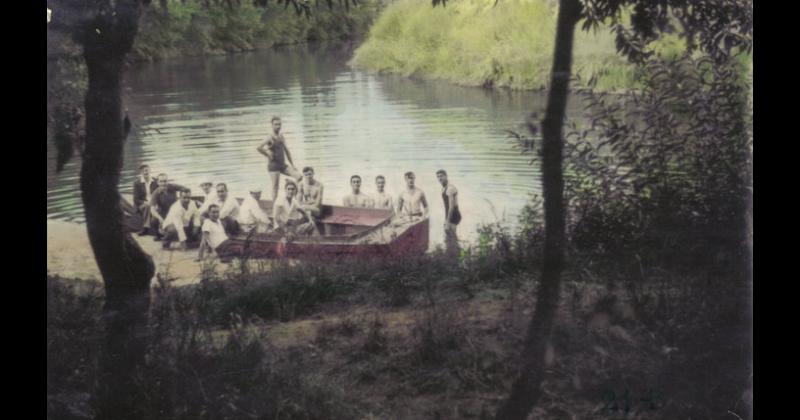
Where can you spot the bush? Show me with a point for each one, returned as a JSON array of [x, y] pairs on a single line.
[[671, 173]]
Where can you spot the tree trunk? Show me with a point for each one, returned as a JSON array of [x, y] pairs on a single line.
[[125, 267], [526, 389], [164, 7]]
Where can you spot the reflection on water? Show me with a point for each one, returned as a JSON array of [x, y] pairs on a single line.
[[202, 118]]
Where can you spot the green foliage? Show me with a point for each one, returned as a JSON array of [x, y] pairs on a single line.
[[471, 42], [191, 28], [665, 174]]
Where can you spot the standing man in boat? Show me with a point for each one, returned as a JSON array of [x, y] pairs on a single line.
[[382, 200], [452, 214], [251, 215], [311, 193], [213, 232], [182, 221], [412, 204], [357, 199], [276, 151], [143, 188], [289, 217]]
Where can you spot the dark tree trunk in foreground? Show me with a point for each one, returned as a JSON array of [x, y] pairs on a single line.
[[125, 267], [526, 389]]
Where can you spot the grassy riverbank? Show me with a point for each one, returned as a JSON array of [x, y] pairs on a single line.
[[472, 42], [414, 338]]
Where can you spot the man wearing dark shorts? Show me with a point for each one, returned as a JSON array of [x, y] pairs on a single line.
[[274, 148], [452, 214]]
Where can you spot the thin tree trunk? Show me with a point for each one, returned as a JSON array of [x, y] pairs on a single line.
[[125, 267], [526, 391]]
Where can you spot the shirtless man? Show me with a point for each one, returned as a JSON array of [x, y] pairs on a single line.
[[382, 200], [311, 193], [274, 148], [452, 214], [410, 201], [356, 199]]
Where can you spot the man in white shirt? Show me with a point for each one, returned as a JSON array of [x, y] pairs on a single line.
[[182, 221], [289, 217], [251, 215], [209, 193], [228, 209], [412, 204], [357, 199], [213, 232], [382, 200]]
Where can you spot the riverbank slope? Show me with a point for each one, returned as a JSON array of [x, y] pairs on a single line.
[[479, 43]]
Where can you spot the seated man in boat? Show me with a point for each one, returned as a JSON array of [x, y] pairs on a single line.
[[182, 221], [143, 188], [381, 199], [310, 194], [357, 199], [213, 232], [161, 201], [411, 204], [289, 218], [209, 193], [228, 209], [251, 215]]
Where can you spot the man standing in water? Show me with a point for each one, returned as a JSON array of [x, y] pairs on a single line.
[[274, 148], [451, 212], [356, 199], [412, 203], [382, 200]]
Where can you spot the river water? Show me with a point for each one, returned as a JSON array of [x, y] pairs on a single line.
[[202, 118]]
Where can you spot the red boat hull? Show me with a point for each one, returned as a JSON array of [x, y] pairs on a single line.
[[413, 241]]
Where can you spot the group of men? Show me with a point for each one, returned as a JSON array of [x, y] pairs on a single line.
[[169, 212]]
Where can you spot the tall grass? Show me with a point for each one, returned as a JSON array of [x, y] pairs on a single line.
[[473, 43]]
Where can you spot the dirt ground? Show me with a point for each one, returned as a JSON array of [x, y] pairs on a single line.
[[70, 255]]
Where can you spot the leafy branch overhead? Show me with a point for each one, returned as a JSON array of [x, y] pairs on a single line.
[[721, 28]]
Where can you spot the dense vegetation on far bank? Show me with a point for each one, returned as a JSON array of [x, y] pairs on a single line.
[[472, 42], [190, 28]]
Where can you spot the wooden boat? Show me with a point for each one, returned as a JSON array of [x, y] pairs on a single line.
[[345, 232]]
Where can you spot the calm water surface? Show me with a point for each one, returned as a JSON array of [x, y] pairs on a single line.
[[202, 118]]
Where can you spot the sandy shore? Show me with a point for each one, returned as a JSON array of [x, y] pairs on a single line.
[[70, 255]]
